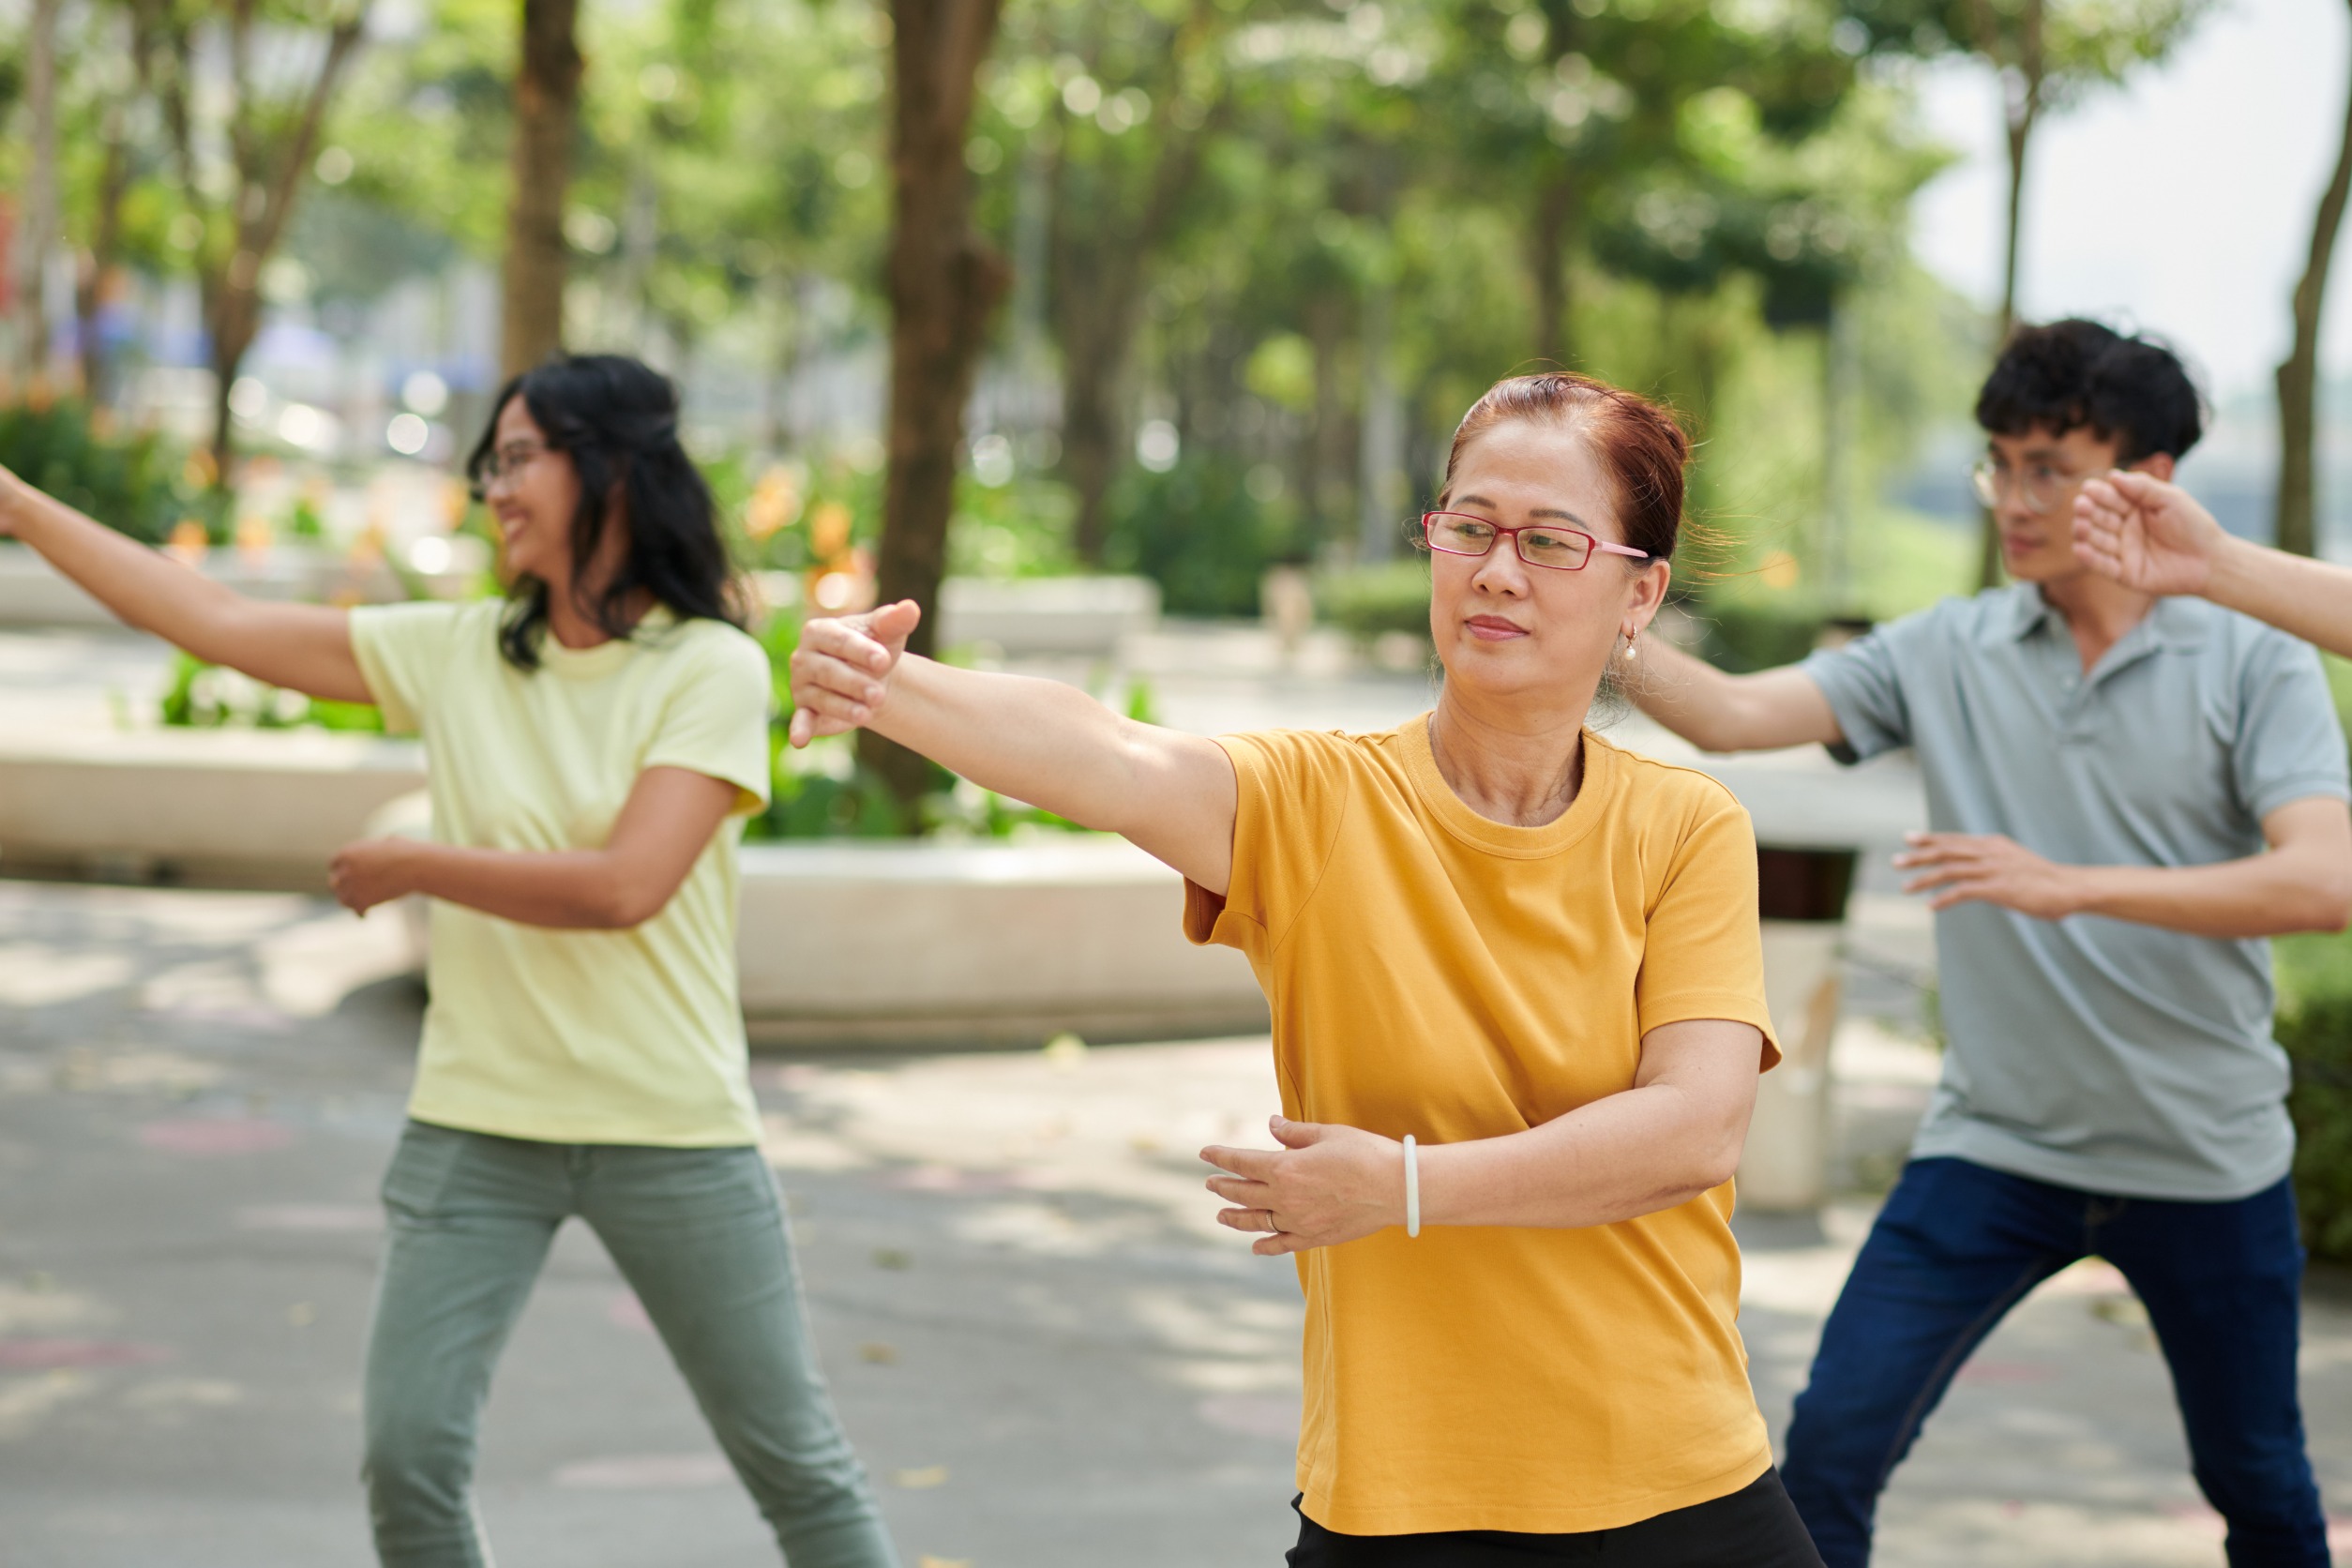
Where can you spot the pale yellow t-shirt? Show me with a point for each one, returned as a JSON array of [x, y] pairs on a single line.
[[632, 1036], [1435, 973]]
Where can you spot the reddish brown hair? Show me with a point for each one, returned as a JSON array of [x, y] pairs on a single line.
[[1637, 441]]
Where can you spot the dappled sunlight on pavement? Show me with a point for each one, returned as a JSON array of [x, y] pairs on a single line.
[[1048, 1351]]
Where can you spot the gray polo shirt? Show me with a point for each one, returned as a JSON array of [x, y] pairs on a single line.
[[2090, 1052]]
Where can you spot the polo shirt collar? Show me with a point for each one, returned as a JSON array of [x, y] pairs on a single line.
[[2177, 624]]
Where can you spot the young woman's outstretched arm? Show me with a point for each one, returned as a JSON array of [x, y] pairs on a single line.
[[303, 646], [1170, 794]]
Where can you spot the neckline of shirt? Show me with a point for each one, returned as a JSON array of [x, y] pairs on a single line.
[[606, 657], [1502, 838]]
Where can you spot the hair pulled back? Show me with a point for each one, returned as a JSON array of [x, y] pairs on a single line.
[[617, 419], [1638, 442]]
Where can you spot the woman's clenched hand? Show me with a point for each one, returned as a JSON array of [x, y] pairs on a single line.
[[841, 669]]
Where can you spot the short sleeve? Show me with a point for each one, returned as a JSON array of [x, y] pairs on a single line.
[[403, 650], [1864, 687], [715, 722], [1294, 789], [2290, 743], [1703, 955]]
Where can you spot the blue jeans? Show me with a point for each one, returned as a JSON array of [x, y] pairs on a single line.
[[1958, 1244], [699, 1236]]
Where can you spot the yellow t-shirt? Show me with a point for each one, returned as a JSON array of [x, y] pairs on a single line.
[[1435, 973], [631, 1036]]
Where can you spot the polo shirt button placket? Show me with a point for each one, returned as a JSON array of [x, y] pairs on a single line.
[[2076, 706]]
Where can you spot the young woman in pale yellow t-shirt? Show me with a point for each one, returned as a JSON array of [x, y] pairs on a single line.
[[595, 741], [1493, 933]]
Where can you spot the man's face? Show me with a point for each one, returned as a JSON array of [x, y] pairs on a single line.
[[2035, 477]]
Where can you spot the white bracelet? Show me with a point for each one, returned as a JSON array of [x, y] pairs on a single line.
[[1412, 1189]]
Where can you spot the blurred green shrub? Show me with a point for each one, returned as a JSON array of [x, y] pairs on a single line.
[[205, 696], [1198, 533], [2315, 1025], [824, 791], [1742, 634], [1017, 529], [137, 483], [1366, 601]]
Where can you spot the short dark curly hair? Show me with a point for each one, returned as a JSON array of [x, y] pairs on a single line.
[[2079, 374]]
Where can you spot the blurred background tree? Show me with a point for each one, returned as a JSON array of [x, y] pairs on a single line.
[[1255, 258], [2048, 54]]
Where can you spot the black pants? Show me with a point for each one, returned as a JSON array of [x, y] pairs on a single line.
[[1756, 1527]]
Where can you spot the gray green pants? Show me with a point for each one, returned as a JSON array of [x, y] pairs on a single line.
[[699, 1236]]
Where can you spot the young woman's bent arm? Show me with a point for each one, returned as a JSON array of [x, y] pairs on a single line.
[[1676, 1134], [303, 646], [1172, 795], [661, 831]]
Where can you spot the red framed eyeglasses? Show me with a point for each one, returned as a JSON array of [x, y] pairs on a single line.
[[1545, 544]]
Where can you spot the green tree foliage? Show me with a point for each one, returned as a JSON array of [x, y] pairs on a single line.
[[1301, 234]]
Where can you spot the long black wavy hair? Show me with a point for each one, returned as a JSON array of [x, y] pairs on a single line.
[[617, 419]]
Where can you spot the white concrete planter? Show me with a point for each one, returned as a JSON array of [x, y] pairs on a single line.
[[1086, 615], [223, 808], [976, 943], [1785, 1165]]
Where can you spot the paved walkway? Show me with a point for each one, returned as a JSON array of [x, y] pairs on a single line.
[[1049, 1353]]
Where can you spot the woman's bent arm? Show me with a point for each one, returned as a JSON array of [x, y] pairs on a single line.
[[660, 832], [304, 646], [1172, 795], [1676, 1134]]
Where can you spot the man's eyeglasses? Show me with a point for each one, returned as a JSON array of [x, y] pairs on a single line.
[[1563, 550], [502, 463], [2042, 488]]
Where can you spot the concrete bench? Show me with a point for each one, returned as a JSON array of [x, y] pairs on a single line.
[[978, 943], [215, 807]]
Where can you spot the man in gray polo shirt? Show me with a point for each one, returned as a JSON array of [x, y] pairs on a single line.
[[2127, 796]]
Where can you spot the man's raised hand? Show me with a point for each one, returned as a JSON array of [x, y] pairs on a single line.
[[841, 669], [2146, 533]]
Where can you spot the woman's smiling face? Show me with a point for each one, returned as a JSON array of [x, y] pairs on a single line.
[[533, 498], [1505, 628]]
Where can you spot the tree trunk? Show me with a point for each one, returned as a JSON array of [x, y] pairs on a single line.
[[1381, 487], [2022, 109], [1548, 239], [233, 318], [1091, 363], [547, 121], [106, 235], [2299, 376], [37, 239], [1100, 262], [945, 283], [1329, 455], [270, 175]]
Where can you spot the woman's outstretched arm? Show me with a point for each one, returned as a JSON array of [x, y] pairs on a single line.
[[1172, 795], [304, 646]]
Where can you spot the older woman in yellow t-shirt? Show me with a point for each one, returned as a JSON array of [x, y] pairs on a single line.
[[1518, 1016]]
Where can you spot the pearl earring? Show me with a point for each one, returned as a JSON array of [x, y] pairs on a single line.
[[1633, 649]]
